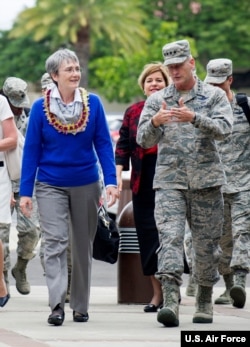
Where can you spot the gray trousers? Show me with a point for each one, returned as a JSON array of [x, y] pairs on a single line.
[[59, 206]]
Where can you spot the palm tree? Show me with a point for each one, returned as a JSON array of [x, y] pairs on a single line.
[[78, 22]]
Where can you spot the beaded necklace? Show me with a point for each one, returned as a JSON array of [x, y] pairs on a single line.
[[70, 128]]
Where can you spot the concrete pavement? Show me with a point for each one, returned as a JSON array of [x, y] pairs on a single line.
[[23, 321]]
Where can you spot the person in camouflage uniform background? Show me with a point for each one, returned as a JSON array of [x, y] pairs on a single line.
[[8, 141], [15, 90], [185, 119], [235, 153], [4, 295]]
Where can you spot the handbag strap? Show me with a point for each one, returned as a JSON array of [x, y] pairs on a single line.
[[103, 214], [243, 102]]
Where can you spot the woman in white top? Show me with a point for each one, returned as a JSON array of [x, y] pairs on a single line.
[[8, 140]]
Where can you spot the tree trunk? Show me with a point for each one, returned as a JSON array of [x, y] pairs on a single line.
[[82, 50]]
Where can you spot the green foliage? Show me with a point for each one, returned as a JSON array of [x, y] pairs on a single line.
[[22, 58], [77, 22], [118, 20], [115, 77], [115, 39], [220, 28]]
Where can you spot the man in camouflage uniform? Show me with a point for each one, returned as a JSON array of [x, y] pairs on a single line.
[[235, 153], [185, 119], [15, 90]]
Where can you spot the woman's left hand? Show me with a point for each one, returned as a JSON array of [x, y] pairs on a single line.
[[112, 194]]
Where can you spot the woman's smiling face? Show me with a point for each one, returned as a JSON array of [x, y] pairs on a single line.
[[153, 83]]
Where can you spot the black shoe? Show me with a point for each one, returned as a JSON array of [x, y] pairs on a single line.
[[57, 316], [4, 300], [152, 307], [80, 317]]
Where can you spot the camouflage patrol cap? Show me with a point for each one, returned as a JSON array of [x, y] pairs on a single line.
[[16, 91], [46, 81], [176, 52], [218, 70]]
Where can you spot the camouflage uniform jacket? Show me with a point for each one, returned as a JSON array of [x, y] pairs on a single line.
[[235, 152], [21, 123], [187, 154]]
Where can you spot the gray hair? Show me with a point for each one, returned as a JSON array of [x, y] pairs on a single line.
[[55, 60]]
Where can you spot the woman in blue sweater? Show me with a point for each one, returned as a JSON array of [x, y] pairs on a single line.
[[66, 136]]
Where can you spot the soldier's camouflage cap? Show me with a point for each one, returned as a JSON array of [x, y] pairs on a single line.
[[46, 81], [176, 52], [218, 70], [16, 90]]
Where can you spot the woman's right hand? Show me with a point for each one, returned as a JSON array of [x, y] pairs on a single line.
[[26, 206]]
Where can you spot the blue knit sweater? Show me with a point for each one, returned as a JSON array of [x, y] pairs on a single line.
[[66, 160]]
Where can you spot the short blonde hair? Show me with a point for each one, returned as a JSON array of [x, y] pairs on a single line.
[[151, 68]]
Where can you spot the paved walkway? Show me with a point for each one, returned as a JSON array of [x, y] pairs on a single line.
[[23, 321]]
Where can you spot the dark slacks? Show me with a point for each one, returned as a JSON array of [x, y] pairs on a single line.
[[143, 206]]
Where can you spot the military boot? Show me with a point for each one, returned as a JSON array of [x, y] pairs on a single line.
[[225, 298], [169, 314], [191, 286], [237, 292], [204, 308], [19, 273]]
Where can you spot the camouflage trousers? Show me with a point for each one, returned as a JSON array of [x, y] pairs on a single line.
[[235, 240], [28, 233], [204, 211]]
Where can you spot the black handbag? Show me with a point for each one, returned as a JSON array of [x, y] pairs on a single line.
[[106, 242]]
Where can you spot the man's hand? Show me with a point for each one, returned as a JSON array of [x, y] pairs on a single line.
[[182, 113], [162, 116], [12, 200]]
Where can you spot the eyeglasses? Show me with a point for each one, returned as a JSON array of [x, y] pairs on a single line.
[[70, 70]]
